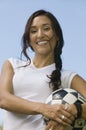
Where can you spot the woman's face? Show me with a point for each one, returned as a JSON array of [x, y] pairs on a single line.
[[42, 37]]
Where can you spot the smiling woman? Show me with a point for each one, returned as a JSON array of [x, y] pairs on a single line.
[[42, 36], [25, 85]]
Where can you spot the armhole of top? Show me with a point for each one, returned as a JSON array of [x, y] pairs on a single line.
[[67, 77], [11, 60]]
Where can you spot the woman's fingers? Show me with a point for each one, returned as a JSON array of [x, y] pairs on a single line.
[[60, 113]]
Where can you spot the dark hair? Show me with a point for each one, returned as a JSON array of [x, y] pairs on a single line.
[[55, 77]]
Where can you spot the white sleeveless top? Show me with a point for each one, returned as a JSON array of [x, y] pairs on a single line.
[[32, 84]]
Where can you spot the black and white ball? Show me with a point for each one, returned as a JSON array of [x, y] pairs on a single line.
[[68, 96]]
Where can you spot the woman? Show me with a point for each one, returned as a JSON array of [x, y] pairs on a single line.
[[25, 85]]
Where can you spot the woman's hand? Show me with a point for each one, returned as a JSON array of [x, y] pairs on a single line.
[[72, 109], [53, 125], [62, 114]]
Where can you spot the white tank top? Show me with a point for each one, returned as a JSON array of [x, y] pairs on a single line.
[[31, 83]]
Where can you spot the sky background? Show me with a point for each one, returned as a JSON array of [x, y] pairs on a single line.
[[71, 15]]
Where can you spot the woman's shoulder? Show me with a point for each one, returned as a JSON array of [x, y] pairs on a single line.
[[16, 62], [66, 72], [66, 77]]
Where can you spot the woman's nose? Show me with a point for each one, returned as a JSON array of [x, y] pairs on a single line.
[[40, 33]]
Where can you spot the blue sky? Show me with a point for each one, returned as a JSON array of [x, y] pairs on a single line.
[[72, 17]]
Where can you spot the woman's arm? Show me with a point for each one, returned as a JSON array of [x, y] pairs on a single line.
[[10, 102], [79, 84]]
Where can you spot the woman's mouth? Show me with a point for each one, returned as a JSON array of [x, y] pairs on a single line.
[[42, 42]]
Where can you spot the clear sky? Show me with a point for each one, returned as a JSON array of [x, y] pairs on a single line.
[[72, 17]]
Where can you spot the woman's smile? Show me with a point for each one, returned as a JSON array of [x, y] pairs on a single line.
[[42, 42]]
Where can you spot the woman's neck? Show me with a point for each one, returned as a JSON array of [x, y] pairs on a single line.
[[42, 61]]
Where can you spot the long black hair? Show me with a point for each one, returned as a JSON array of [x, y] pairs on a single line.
[[55, 77]]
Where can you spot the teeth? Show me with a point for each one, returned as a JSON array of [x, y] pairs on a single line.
[[42, 42]]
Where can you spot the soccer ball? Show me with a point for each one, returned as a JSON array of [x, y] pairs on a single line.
[[68, 96]]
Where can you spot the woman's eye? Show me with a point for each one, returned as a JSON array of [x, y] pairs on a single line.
[[47, 28], [33, 31]]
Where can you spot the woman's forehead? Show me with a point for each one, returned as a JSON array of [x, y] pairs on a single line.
[[41, 20]]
